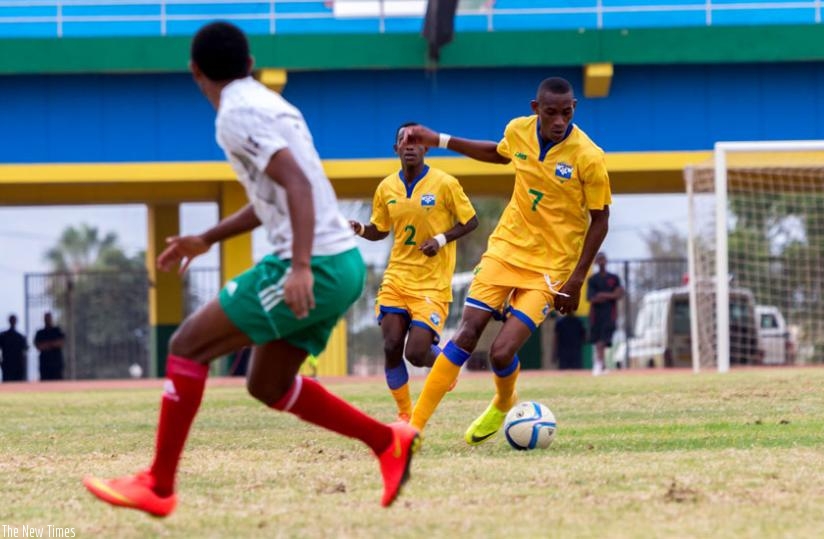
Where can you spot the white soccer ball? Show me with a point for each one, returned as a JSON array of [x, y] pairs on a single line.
[[529, 425]]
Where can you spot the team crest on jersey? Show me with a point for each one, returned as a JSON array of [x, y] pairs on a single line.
[[435, 319], [563, 171], [428, 200], [521, 156]]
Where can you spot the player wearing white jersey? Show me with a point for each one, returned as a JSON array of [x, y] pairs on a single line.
[[253, 123], [286, 305]]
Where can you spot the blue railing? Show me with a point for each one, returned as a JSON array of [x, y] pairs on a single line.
[[78, 18]]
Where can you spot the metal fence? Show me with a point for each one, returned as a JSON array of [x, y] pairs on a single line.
[[84, 18], [199, 286], [638, 278], [105, 317], [104, 314]]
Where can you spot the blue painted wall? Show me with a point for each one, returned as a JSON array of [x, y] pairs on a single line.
[[353, 114]]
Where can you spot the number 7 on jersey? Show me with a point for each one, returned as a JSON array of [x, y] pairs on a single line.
[[538, 196]]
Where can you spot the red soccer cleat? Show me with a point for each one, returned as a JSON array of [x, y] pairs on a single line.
[[134, 491], [397, 459]]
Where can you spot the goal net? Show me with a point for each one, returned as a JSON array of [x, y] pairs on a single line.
[[756, 254]]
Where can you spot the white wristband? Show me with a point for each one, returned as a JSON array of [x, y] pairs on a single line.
[[361, 229], [441, 239], [443, 140]]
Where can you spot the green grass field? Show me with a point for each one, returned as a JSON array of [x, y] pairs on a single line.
[[665, 455]]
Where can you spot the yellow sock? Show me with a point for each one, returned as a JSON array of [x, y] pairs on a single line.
[[443, 373], [403, 400], [505, 396]]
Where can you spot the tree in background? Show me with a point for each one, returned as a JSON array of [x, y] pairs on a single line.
[[472, 246], [665, 268], [667, 247], [99, 296], [83, 249], [776, 249]]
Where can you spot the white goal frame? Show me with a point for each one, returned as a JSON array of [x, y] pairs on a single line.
[[722, 285]]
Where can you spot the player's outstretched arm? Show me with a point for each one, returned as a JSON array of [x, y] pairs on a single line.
[[185, 248], [597, 231], [367, 230], [480, 150], [431, 246], [297, 290]]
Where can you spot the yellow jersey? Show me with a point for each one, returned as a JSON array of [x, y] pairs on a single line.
[[543, 227], [431, 204]]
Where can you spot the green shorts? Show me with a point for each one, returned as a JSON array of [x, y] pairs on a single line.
[[253, 300]]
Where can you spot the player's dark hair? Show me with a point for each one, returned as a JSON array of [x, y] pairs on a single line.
[[221, 51], [555, 85], [398, 130]]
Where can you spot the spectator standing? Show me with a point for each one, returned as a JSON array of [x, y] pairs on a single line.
[[13, 347], [49, 342]]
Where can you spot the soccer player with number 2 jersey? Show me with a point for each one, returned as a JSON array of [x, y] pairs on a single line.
[[426, 210]]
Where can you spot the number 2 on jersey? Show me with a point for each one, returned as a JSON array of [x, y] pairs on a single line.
[[410, 239], [538, 196]]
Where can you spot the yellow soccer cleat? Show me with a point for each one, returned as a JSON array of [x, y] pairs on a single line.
[[485, 426]]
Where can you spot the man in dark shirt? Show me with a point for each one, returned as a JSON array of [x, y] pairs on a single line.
[[13, 348], [603, 292], [49, 341]]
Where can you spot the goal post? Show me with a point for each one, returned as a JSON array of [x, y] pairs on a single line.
[[765, 197]]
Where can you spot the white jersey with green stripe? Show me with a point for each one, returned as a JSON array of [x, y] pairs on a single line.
[[253, 123]]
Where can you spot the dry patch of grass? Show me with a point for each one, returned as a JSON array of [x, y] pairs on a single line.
[[659, 456]]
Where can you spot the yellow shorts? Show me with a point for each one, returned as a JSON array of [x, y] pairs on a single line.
[[505, 290], [418, 311]]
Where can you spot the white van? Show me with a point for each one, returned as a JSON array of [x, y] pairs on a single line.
[[662, 330], [774, 336]]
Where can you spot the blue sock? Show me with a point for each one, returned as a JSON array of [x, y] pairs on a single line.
[[397, 376], [506, 371], [455, 355]]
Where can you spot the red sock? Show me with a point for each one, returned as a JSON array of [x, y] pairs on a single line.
[[182, 393], [311, 402]]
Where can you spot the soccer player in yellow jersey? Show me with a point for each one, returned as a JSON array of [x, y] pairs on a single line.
[[427, 210], [539, 254]]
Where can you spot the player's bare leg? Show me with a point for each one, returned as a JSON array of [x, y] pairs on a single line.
[[421, 350], [419, 347], [448, 364], [273, 380], [205, 335], [393, 328], [505, 367]]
